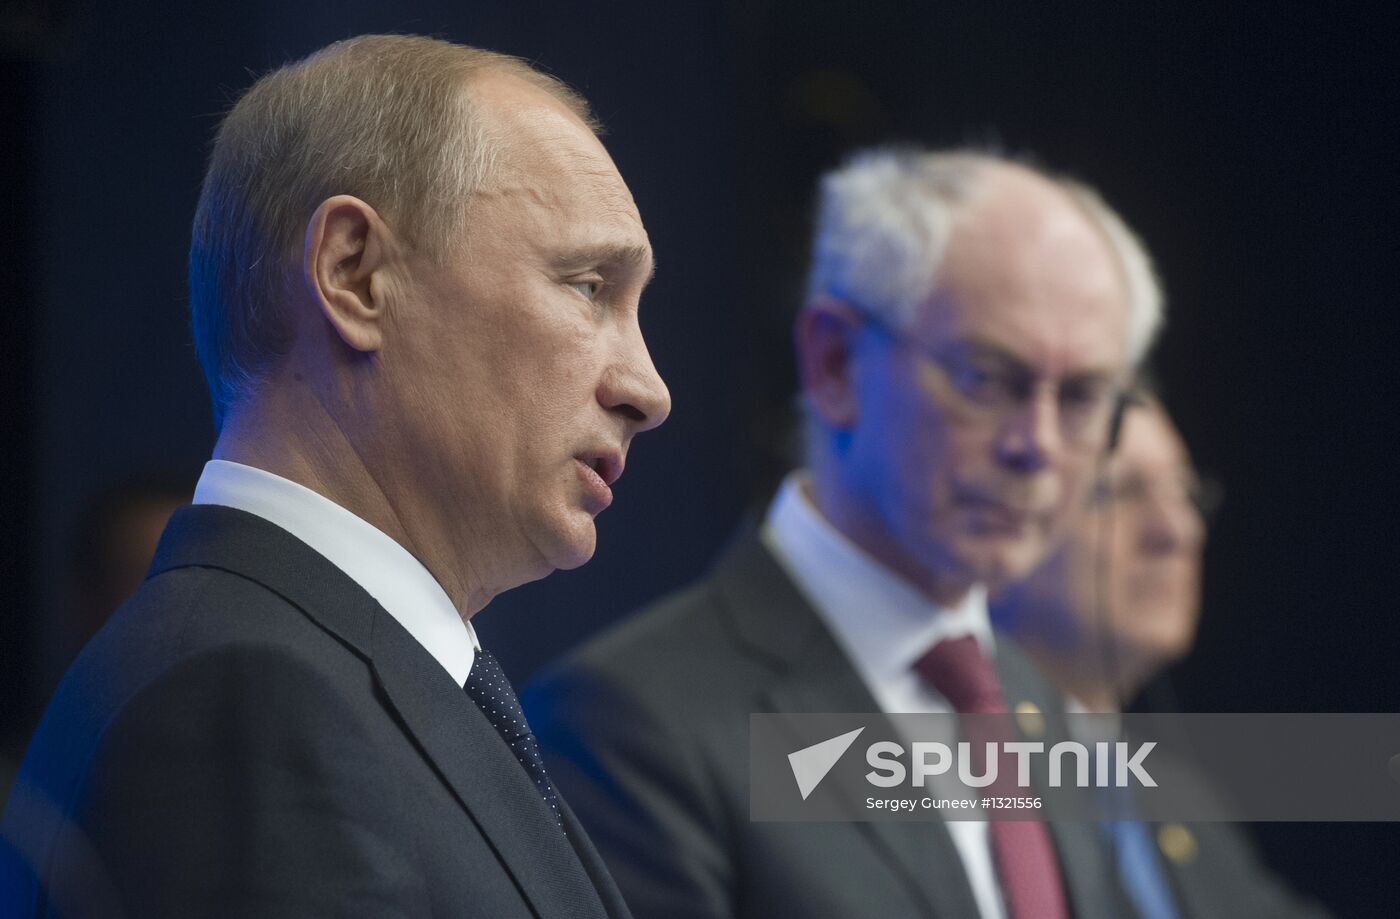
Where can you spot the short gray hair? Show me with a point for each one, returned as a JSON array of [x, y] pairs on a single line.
[[885, 218], [385, 118]]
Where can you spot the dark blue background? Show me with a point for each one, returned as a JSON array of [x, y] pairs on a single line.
[[1254, 149]]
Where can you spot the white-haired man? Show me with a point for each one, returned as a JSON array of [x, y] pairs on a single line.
[[969, 328], [414, 280]]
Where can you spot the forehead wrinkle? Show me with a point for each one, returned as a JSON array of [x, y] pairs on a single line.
[[582, 182], [606, 189], [602, 200], [554, 165], [537, 137]]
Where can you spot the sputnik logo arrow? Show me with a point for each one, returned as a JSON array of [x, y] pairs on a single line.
[[811, 764]]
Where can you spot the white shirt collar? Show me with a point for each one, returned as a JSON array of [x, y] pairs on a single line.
[[366, 554], [882, 621], [884, 624]]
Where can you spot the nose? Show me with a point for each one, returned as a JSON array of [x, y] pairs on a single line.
[[1029, 437], [1171, 523], [633, 388]]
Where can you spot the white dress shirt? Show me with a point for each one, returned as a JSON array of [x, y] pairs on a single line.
[[884, 624], [366, 554]]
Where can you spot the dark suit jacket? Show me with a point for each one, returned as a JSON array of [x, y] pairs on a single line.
[[253, 735], [646, 730]]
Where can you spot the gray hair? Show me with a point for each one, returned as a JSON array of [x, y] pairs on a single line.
[[885, 218], [385, 118]]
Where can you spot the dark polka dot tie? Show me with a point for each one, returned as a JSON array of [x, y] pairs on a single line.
[[491, 691]]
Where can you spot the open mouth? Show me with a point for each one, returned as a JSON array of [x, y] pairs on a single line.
[[607, 466]]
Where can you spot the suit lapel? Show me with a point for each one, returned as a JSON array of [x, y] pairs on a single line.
[[920, 853], [812, 674], [592, 863], [452, 733], [769, 615], [483, 774]]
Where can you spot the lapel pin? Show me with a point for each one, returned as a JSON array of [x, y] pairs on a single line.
[[1030, 720], [1177, 843]]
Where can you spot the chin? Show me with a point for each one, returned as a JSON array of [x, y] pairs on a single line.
[[1171, 644], [572, 546], [999, 565]]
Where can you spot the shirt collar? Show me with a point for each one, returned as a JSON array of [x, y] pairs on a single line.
[[369, 556], [884, 623]]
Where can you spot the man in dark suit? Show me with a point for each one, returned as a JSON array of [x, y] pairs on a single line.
[[969, 328], [1114, 605], [414, 278]]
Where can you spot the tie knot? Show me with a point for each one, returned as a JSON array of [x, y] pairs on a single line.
[[956, 669]]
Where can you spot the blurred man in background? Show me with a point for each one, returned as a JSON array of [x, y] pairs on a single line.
[[1112, 608], [969, 328], [1118, 602]]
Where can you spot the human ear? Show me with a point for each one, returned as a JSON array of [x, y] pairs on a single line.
[[825, 335], [347, 244]]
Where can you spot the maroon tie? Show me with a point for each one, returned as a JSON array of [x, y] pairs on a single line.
[[1021, 849]]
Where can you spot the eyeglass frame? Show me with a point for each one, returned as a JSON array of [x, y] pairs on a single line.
[[1112, 402], [1204, 494]]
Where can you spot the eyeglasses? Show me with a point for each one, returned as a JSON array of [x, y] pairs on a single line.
[[1202, 495], [988, 386]]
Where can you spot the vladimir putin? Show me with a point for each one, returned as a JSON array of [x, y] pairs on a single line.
[[414, 280]]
